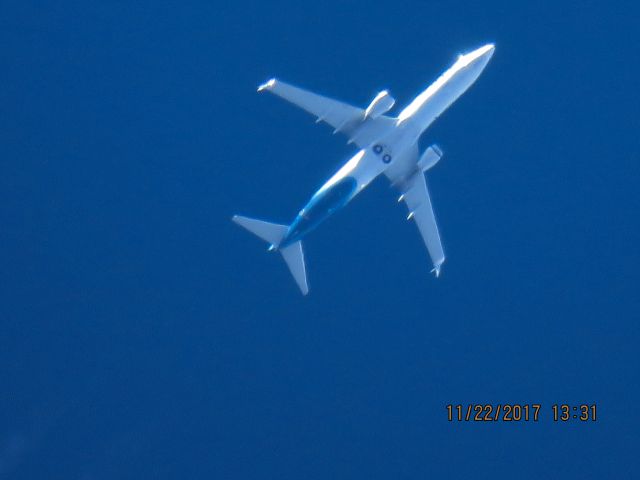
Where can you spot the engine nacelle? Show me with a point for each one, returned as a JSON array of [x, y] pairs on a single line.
[[380, 105], [429, 158]]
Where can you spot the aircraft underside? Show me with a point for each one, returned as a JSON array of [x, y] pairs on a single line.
[[387, 145]]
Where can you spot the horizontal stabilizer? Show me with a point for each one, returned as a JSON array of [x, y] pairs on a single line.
[[274, 233], [294, 257], [269, 232]]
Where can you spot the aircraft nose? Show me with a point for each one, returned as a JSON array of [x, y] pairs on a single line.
[[479, 57], [487, 50], [482, 55]]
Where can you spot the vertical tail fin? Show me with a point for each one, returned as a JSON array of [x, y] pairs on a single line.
[[274, 233]]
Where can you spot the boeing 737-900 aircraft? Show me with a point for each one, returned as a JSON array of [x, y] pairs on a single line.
[[387, 145]]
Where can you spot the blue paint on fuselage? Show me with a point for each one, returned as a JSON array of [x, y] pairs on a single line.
[[322, 205]]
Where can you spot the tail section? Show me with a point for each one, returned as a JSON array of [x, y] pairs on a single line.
[[274, 233], [269, 232], [294, 256]]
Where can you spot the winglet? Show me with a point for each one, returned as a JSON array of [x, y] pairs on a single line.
[[267, 85], [436, 269]]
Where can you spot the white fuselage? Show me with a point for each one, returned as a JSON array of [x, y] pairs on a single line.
[[390, 153]]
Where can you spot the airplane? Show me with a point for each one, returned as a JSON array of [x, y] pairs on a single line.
[[387, 145]]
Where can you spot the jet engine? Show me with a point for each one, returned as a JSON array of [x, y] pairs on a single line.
[[429, 158], [381, 104]]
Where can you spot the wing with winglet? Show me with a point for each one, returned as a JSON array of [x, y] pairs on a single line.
[[344, 118], [416, 196]]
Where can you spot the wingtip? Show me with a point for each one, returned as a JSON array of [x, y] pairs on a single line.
[[267, 85], [436, 270]]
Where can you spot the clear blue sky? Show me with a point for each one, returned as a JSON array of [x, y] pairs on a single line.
[[146, 336]]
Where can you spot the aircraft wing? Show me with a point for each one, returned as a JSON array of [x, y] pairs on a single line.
[[416, 196], [342, 117]]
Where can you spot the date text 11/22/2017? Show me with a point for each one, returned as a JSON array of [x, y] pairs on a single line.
[[519, 412]]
